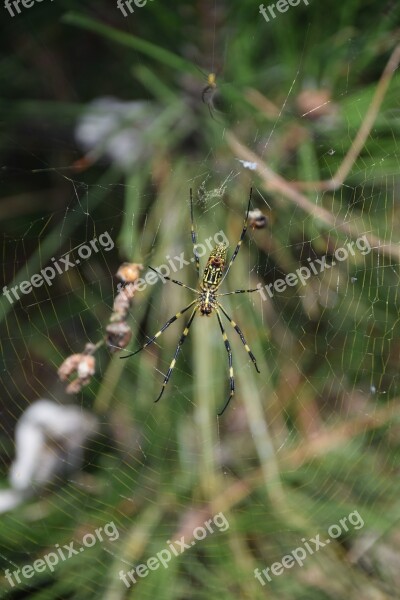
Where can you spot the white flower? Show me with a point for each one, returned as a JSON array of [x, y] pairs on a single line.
[[49, 442], [116, 129]]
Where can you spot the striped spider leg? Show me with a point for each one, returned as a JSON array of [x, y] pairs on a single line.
[[206, 302]]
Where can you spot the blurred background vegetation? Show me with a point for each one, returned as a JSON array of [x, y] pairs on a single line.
[[316, 435]]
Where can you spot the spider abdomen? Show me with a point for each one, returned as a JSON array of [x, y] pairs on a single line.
[[215, 266]]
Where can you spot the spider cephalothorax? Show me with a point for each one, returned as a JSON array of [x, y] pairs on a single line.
[[206, 302]]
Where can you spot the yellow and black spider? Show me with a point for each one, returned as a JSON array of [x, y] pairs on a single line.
[[206, 302], [209, 92], [210, 87]]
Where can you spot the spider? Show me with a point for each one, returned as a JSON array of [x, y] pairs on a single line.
[[208, 93], [210, 87], [206, 302]]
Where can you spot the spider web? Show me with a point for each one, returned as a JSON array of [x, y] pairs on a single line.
[[304, 433]]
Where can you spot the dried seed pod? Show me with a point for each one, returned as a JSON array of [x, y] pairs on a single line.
[[129, 272], [74, 386], [120, 308], [86, 368], [118, 336], [122, 302], [256, 219], [126, 291], [69, 366], [90, 348], [84, 365]]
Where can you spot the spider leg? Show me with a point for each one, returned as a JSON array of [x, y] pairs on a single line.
[[194, 237], [204, 92], [239, 331], [209, 105], [234, 255], [174, 281], [229, 351], [239, 292], [167, 324], [181, 340]]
